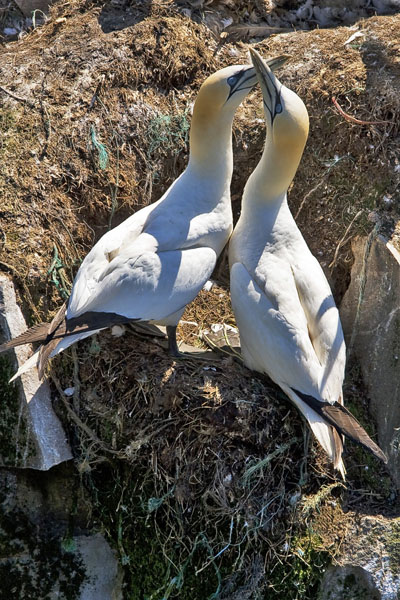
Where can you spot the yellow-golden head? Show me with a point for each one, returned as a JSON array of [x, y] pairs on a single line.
[[285, 113], [287, 131], [214, 109], [223, 91]]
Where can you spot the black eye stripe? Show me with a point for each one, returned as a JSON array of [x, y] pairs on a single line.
[[268, 109], [236, 83], [278, 106], [269, 95]]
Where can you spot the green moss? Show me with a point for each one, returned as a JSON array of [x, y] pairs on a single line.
[[153, 571], [33, 560], [120, 498], [13, 431], [298, 576], [37, 556], [393, 546]]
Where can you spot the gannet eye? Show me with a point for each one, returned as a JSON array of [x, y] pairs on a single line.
[[232, 80], [278, 108]]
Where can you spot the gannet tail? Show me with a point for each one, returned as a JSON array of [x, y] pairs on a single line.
[[59, 334], [37, 333], [28, 364], [342, 422], [330, 440]]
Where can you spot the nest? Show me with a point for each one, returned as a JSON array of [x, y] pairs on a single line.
[[213, 461]]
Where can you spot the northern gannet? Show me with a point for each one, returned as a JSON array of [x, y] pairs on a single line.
[[155, 262], [288, 322]]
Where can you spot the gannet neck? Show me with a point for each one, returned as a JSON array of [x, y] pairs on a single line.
[[213, 112], [282, 153], [211, 142], [287, 131], [271, 178]]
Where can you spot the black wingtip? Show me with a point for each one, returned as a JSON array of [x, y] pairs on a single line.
[[344, 422]]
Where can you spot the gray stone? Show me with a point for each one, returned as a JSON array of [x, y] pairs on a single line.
[[370, 314], [45, 550], [27, 7], [104, 578], [368, 567], [35, 437], [348, 583]]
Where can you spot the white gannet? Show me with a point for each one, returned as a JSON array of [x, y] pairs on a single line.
[[154, 263], [288, 323]]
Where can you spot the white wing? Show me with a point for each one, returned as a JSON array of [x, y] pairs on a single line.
[[150, 285], [100, 256], [275, 340], [323, 322], [273, 327], [180, 220]]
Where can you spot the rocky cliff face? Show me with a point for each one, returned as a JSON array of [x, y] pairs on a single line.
[[32, 435], [371, 316]]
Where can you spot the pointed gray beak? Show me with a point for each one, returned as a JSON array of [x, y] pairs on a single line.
[[270, 86], [247, 78]]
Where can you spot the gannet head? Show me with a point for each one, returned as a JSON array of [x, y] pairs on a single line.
[[285, 113], [223, 91], [213, 112], [227, 88]]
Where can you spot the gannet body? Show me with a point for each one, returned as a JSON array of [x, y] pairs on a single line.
[[288, 321], [154, 263]]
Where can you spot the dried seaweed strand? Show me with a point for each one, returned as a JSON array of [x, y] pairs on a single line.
[[18, 98], [353, 119], [344, 239]]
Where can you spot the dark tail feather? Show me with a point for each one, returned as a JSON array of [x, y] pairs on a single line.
[[62, 328], [37, 333], [48, 346], [90, 321], [58, 319], [51, 333], [338, 446], [343, 421]]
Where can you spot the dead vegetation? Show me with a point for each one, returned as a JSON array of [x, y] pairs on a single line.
[[200, 473]]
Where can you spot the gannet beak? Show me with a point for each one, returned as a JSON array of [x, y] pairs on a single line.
[[246, 79], [270, 86]]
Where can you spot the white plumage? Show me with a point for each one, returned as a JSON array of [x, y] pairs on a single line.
[[153, 264], [288, 322]]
